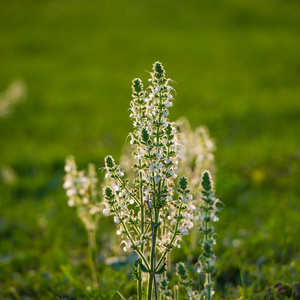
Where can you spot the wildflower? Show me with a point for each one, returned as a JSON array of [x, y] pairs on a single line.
[[81, 190], [197, 151], [209, 209], [161, 220]]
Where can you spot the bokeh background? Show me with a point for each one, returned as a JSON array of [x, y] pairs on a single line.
[[237, 70]]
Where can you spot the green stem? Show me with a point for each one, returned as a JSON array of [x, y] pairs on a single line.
[[207, 275], [140, 292], [92, 256], [194, 239], [132, 242], [208, 287], [153, 270], [142, 206], [139, 286], [125, 187], [172, 239], [176, 292], [135, 226], [150, 282]]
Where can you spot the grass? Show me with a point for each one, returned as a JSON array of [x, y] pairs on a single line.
[[236, 64]]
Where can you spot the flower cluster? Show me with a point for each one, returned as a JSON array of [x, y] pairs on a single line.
[[197, 156], [209, 208], [197, 151], [185, 281], [157, 227], [154, 138], [206, 262], [81, 189], [163, 286], [120, 199]]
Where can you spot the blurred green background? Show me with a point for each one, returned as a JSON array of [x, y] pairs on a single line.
[[237, 70]]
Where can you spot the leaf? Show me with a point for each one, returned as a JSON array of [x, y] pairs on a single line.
[[156, 225], [161, 269], [117, 292], [135, 274], [120, 295], [143, 268]]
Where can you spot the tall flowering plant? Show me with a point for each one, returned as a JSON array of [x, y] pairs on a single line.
[[209, 208], [82, 193], [151, 215]]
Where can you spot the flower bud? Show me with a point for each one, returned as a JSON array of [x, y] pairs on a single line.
[[206, 181], [137, 87], [109, 195], [109, 161], [181, 271], [158, 69], [183, 183]]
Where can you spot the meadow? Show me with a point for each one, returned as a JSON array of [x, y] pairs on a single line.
[[236, 65]]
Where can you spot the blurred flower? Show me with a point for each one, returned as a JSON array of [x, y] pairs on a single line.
[[81, 189], [197, 151], [82, 192], [7, 175], [16, 92]]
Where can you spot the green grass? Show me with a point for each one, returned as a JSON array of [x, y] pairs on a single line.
[[237, 68]]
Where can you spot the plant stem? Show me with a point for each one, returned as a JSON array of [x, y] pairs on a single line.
[[154, 230], [194, 240], [152, 271], [140, 283], [208, 287], [176, 292], [172, 239], [150, 282], [207, 275], [92, 256], [132, 242], [139, 286]]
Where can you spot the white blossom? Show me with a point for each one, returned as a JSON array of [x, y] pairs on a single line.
[[81, 190], [150, 194]]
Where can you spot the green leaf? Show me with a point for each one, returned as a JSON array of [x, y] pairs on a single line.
[[121, 295], [135, 273], [143, 268], [156, 225], [161, 269]]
